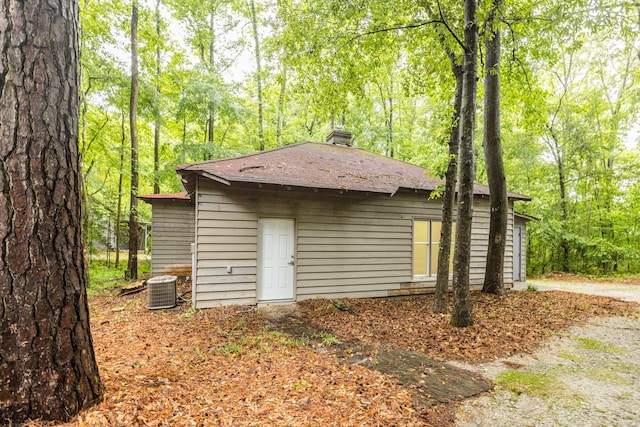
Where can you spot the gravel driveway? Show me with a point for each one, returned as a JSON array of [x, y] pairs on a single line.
[[588, 376]]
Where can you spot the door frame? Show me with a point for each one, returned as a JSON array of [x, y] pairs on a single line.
[[259, 296]]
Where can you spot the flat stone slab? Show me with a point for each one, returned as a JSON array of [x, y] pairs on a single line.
[[430, 382]]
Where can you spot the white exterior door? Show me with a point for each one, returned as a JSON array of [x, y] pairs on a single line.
[[517, 254], [275, 259]]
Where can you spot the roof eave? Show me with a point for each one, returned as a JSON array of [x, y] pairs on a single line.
[[292, 185], [214, 177]]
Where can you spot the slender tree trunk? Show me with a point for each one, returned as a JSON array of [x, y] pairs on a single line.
[[281, 99], [156, 157], [183, 155], [494, 271], [132, 265], [84, 195], [557, 151], [462, 309], [158, 118], [119, 202], [387, 105], [390, 125], [441, 298], [83, 142], [47, 364], [256, 44], [211, 113], [564, 244]]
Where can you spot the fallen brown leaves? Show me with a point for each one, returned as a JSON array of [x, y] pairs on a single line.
[[503, 325], [233, 366]]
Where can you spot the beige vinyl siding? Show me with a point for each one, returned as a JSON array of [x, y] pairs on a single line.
[[227, 228], [508, 251], [347, 245], [479, 243], [355, 245], [522, 223], [172, 232]]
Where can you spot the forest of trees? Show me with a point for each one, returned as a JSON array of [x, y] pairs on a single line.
[[217, 78], [552, 87]]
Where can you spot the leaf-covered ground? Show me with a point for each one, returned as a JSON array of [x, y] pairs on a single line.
[[237, 366], [503, 326]]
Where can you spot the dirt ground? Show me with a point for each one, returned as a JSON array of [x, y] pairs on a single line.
[[624, 289], [353, 363], [587, 375]]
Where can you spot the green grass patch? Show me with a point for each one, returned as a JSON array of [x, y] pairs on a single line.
[[266, 341], [537, 384], [104, 275], [326, 339], [607, 375], [571, 356], [229, 349], [597, 345]]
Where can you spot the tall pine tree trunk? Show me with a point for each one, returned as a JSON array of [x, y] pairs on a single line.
[[132, 264], [47, 364], [462, 309], [494, 271], [441, 300]]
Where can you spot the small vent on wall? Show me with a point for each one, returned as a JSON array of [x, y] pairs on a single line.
[[162, 292]]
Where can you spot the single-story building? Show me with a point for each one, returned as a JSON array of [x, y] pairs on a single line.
[[313, 220]]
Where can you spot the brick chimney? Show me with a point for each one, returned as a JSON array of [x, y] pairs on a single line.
[[339, 137]]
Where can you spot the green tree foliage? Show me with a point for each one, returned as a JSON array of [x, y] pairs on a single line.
[[569, 90]]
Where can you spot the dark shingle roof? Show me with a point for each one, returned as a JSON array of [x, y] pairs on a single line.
[[322, 166]]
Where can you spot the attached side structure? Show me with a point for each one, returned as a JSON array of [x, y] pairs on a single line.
[[520, 246], [172, 232]]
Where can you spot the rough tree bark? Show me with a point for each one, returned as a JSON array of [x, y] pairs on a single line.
[[441, 298], [132, 264], [461, 315], [47, 364], [494, 271]]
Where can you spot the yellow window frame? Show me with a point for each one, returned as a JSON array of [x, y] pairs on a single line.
[[426, 246]]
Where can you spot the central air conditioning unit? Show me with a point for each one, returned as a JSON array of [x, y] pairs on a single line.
[[162, 292]]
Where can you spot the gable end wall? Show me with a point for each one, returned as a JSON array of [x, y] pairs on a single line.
[[172, 232]]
